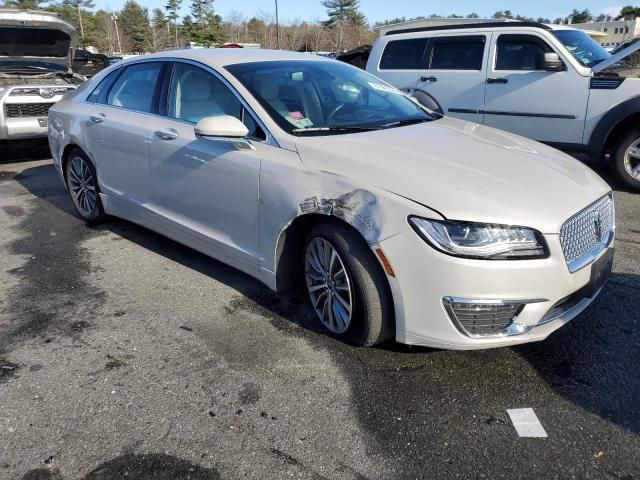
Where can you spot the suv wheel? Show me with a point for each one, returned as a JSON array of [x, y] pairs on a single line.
[[346, 285], [82, 183], [627, 159]]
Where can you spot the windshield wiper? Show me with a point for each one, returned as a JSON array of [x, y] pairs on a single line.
[[406, 121], [335, 129]]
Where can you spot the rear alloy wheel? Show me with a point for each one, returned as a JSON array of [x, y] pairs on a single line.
[[82, 183], [347, 287], [627, 159]]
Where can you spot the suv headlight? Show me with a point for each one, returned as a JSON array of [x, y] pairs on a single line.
[[481, 240]]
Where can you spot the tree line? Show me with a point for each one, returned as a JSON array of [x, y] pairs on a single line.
[[135, 29]]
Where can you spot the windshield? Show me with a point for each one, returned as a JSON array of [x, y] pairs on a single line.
[[316, 97], [584, 48]]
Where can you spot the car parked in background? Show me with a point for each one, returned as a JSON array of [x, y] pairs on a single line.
[[552, 83], [300, 170], [36, 53]]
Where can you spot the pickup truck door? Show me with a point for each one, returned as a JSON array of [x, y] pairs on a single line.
[[456, 73], [522, 98]]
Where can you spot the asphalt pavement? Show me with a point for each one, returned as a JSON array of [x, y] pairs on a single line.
[[126, 355]]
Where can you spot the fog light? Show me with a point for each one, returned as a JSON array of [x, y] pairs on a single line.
[[481, 318]]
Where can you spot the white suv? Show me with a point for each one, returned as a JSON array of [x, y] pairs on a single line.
[[36, 51], [550, 83]]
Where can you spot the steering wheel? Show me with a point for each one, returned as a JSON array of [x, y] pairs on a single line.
[[334, 112]]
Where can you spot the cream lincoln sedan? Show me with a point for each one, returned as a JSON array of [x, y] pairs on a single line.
[[300, 170]]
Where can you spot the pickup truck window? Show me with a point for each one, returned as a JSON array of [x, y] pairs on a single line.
[[458, 53], [404, 55], [584, 48], [520, 52]]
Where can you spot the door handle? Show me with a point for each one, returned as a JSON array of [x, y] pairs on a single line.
[[169, 134], [428, 79], [98, 118], [497, 80]]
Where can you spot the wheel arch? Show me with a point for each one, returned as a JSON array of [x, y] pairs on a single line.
[[613, 125], [290, 245]]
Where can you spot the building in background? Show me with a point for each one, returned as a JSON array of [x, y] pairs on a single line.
[[612, 33]]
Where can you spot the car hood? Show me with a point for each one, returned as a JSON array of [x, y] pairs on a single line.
[[464, 171], [618, 57], [30, 36]]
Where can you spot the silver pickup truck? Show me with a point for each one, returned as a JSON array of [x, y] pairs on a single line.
[[36, 54]]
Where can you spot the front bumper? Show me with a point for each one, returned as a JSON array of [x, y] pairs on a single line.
[[424, 277], [26, 127], [30, 122]]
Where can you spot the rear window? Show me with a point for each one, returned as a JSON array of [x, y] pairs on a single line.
[[458, 53], [404, 55]]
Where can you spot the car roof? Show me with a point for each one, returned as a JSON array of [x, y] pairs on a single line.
[[220, 57], [468, 26]]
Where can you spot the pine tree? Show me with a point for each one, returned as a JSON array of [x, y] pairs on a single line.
[[173, 13], [207, 26], [134, 20], [159, 30], [343, 13], [23, 4]]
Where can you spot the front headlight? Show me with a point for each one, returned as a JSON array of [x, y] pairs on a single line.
[[481, 241]]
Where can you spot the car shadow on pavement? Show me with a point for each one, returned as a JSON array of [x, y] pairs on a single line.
[[135, 467], [23, 150], [592, 362]]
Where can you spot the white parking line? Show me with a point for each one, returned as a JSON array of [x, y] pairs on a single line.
[[526, 423]]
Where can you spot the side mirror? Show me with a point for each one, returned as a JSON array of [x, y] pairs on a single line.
[[552, 63], [221, 126]]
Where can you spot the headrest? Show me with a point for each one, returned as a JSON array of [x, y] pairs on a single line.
[[267, 87], [194, 87]]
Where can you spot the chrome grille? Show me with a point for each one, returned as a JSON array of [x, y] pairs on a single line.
[[17, 110], [477, 319], [31, 91], [587, 231]]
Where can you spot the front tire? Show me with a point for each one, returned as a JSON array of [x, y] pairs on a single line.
[[82, 183], [626, 162], [347, 287]]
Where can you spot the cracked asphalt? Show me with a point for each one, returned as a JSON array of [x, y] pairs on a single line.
[[126, 355]]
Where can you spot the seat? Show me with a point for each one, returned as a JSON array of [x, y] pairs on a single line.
[[135, 95], [194, 98], [267, 88]]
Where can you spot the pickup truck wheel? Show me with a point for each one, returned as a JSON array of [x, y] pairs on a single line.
[[347, 287], [82, 183], [627, 159]]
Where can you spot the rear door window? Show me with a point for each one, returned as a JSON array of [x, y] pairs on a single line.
[[458, 53], [520, 52], [136, 89], [404, 55]]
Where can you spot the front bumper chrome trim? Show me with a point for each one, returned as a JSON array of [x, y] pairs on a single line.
[[513, 328]]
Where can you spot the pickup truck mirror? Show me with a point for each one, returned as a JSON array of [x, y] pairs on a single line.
[[551, 62]]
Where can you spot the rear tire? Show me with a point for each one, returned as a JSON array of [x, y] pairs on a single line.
[[364, 286], [82, 183], [626, 162]]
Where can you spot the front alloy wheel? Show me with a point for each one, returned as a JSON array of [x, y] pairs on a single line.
[[632, 159], [329, 285], [347, 286], [627, 158]]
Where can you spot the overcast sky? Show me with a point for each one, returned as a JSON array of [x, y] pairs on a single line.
[[382, 9]]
